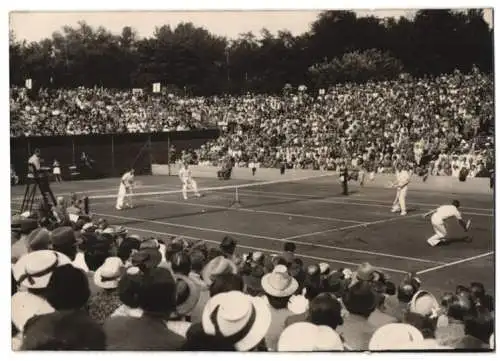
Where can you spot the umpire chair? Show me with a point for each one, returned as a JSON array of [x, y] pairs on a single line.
[[37, 180]]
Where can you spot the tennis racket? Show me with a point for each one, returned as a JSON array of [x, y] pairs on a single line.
[[468, 224]]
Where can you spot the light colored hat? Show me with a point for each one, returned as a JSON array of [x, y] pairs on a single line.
[[306, 337], [391, 336], [425, 304], [298, 304], [108, 275], [33, 270], [26, 305], [280, 269], [279, 284], [324, 268], [219, 265], [238, 316]]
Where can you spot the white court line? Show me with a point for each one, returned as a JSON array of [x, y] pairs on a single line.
[[365, 224], [248, 193], [455, 263], [100, 190], [282, 240], [255, 211], [298, 195], [267, 250]]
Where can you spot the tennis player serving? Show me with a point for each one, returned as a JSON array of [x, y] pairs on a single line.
[[441, 214], [187, 181]]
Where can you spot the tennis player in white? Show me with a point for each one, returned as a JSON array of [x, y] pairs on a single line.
[[402, 181], [187, 181], [125, 190], [439, 216]]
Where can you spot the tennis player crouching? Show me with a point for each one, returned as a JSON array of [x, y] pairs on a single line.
[[441, 214], [125, 193], [187, 181]]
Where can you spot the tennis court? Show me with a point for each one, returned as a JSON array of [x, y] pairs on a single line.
[[326, 226]]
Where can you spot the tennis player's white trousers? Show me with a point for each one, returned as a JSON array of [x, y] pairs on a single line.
[[400, 200], [439, 230], [123, 198], [189, 184]]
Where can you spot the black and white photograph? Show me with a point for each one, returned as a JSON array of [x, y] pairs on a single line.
[[252, 180]]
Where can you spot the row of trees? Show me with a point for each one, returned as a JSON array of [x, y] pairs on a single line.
[[338, 47]]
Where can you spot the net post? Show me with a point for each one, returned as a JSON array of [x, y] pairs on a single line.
[[168, 153], [236, 201]]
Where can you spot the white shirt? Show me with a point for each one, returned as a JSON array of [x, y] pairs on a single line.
[[185, 173], [34, 161], [128, 179], [447, 211], [402, 178]]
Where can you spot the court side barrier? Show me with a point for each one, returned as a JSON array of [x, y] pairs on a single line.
[[433, 183]]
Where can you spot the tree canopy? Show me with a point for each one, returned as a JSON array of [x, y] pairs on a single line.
[[338, 47]]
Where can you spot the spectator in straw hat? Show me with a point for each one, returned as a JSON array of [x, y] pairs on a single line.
[[360, 301], [63, 331], [21, 228], [156, 297], [307, 337], [238, 319], [278, 287], [394, 335], [218, 265], [33, 271], [107, 300], [38, 240]]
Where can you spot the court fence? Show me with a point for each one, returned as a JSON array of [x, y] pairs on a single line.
[[109, 154]]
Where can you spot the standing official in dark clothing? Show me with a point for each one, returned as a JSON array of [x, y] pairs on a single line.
[[344, 178]]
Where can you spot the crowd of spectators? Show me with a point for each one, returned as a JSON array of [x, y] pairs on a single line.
[[439, 125], [79, 283]]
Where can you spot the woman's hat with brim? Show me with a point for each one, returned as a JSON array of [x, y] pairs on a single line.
[[34, 270], [218, 265], [279, 284], [108, 275], [236, 317], [186, 287]]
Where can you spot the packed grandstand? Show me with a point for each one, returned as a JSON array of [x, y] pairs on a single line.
[[81, 283]]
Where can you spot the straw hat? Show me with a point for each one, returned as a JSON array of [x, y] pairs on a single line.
[[425, 304], [307, 337], [218, 265], [393, 335], [33, 270], [237, 317], [279, 284], [26, 305], [108, 275]]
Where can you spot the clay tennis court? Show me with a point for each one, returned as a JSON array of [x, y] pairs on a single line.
[[327, 227]]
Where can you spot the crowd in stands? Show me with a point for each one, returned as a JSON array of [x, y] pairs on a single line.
[[438, 124], [79, 283]]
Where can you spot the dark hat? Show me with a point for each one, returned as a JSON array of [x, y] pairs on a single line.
[[95, 242], [360, 299], [39, 239], [157, 290], [181, 263], [253, 280], [197, 259], [63, 236], [187, 295], [228, 245], [146, 258], [63, 331], [23, 225], [336, 283]]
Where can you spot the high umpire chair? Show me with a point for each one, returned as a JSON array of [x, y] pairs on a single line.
[[37, 180]]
